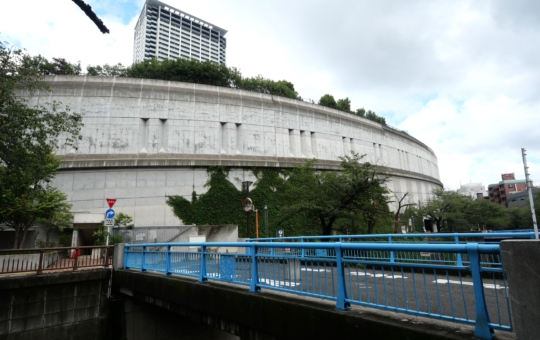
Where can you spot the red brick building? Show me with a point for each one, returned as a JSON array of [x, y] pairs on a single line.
[[499, 192]]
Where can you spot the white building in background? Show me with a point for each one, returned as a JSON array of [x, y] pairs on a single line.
[[473, 190], [165, 32]]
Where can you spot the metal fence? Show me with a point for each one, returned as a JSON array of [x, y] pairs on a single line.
[[470, 292], [149, 234], [54, 259], [454, 238]]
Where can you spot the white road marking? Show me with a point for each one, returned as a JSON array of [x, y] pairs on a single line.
[[279, 283], [389, 276], [313, 270], [466, 283]]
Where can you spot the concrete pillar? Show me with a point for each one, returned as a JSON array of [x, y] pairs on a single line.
[[521, 260], [118, 256]]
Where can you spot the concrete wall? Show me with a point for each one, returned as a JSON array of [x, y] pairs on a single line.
[[55, 306], [144, 140], [521, 259], [266, 315]]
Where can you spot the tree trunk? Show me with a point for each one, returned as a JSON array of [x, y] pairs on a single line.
[[23, 236], [397, 229], [371, 226], [16, 240], [327, 227]]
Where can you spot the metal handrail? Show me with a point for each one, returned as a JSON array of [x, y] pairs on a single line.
[[39, 260], [281, 269]]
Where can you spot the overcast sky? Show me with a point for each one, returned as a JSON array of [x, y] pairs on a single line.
[[461, 76]]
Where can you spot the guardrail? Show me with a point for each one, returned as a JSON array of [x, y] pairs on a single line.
[[403, 256], [454, 238], [473, 293], [40, 260]]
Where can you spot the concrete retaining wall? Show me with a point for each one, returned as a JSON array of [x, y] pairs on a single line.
[[55, 306], [269, 315], [521, 259]]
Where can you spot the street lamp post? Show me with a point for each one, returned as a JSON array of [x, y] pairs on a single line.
[[248, 205], [265, 220]]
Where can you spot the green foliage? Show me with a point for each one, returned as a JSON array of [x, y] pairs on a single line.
[[369, 115], [58, 66], [259, 84], [59, 217], [64, 240], [28, 138], [300, 201], [344, 105], [456, 213], [328, 101], [101, 237], [123, 220], [186, 70], [117, 70]]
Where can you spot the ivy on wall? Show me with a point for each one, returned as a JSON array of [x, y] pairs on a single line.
[[221, 204]]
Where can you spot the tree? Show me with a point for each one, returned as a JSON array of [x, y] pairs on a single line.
[[38, 204], [360, 112], [397, 214], [344, 105], [123, 220], [328, 101], [438, 208], [59, 216], [117, 70], [28, 138], [330, 196]]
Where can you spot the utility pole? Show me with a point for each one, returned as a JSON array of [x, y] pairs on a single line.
[[529, 189]]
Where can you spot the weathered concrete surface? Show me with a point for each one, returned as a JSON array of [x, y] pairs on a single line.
[[144, 140], [270, 315], [521, 259], [55, 306]]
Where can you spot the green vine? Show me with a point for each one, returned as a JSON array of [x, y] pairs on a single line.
[[221, 205]]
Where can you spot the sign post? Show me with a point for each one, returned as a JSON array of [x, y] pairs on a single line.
[[109, 217]]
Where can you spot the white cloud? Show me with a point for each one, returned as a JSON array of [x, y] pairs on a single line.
[[461, 76]]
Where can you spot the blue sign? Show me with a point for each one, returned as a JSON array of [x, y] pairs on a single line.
[[110, 213]]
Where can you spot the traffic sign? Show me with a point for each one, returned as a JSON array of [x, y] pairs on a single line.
[[109, 222], [109, 213], [280, 233], [111, 202]]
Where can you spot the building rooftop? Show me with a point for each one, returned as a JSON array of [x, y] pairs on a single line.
[[185, 15], [512, 181]]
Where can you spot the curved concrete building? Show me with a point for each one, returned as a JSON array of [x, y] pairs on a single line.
[[144, 140]]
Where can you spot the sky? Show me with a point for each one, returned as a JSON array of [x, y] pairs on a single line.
[[461, 76]]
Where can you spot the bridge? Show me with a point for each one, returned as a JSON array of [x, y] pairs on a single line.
[[389, 286]]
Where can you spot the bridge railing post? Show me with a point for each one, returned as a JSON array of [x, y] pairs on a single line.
[[40, 265], [341, 303], [254, 287], [143, 258], [482, 329], [168, 261], [202, 273], [392, 258], [459, 256]]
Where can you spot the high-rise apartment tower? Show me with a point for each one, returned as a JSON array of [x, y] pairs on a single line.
[[164, 32]]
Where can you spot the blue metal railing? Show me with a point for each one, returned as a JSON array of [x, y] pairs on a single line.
[[435, 238], [471, 291], [454, 238]]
